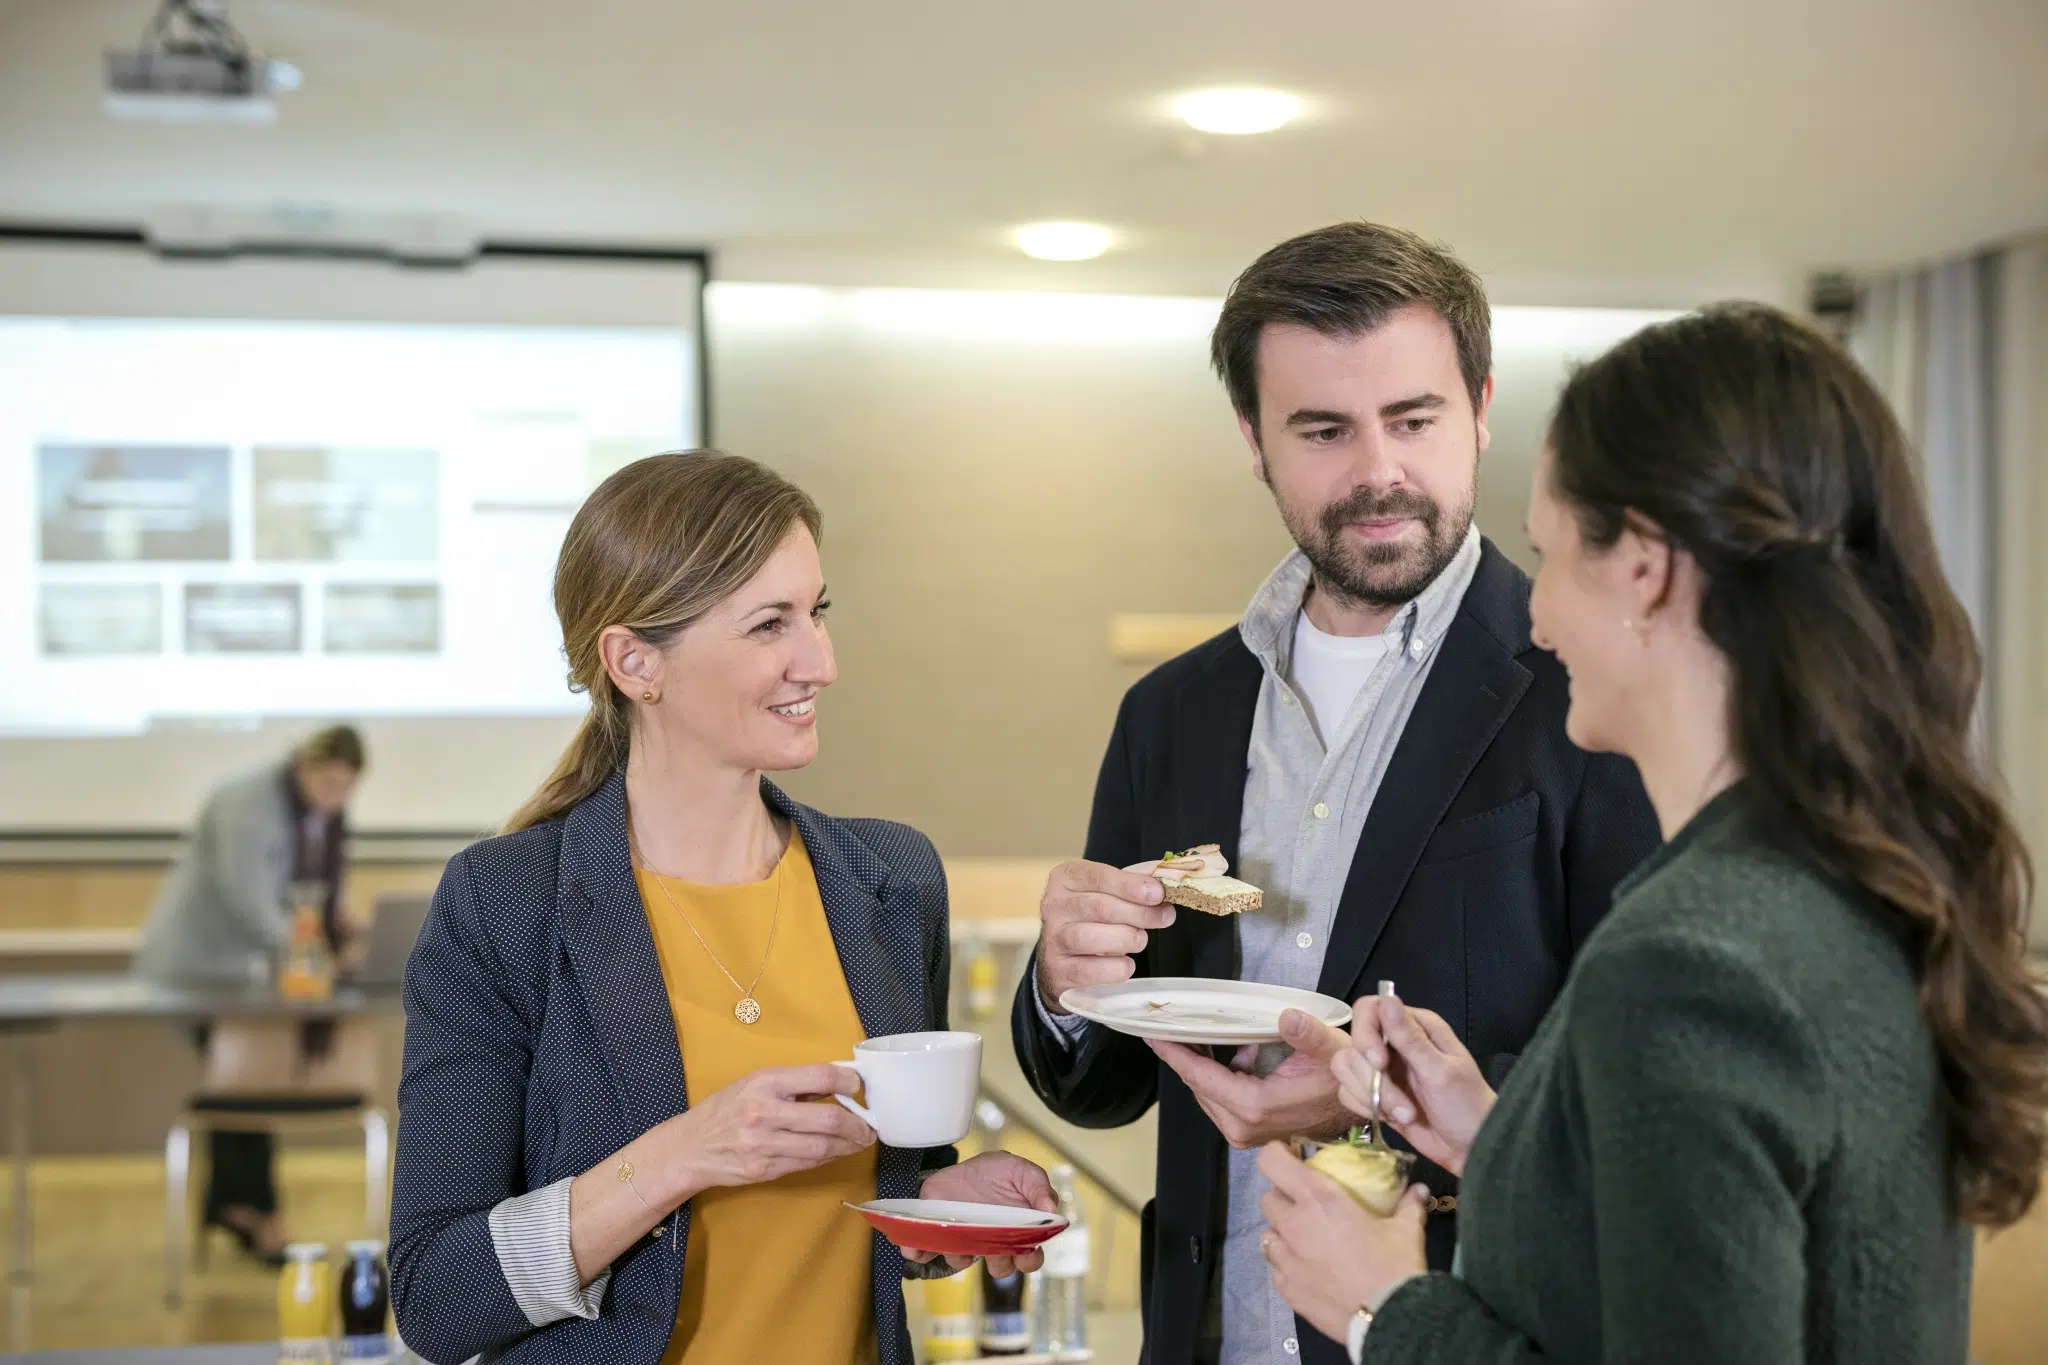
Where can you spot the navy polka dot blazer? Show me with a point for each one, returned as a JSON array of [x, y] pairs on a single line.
[[539, 1041]]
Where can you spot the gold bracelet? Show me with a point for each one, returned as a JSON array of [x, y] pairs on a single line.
[[626, 1179]]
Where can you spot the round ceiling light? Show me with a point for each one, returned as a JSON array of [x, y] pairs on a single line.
[[1063, 241], [1236, 110]]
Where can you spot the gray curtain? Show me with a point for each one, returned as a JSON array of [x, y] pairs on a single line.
[[1961, 349], [1924, 336]]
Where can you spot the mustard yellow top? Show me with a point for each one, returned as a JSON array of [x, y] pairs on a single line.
[[776, 1271]]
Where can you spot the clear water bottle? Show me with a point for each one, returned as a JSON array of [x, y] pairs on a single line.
[[1035, 1307], [1066, 1273]]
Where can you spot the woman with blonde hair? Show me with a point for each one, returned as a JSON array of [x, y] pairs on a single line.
[[615, 1138]]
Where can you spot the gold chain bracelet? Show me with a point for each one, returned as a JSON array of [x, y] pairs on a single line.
[[626, 1179]]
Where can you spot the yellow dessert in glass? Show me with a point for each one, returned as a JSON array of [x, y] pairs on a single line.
[[1375, 1176]]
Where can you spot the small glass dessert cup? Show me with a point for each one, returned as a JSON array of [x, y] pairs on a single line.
[[1376, 1177]]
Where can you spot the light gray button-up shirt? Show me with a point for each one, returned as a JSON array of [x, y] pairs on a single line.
[[1305, 805]]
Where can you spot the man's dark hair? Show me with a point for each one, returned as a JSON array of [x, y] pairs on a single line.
[[1343, 281]]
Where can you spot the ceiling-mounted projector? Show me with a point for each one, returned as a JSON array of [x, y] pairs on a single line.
[[194, 67]]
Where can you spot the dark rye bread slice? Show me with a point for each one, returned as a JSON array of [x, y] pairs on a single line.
[[1214, 895]]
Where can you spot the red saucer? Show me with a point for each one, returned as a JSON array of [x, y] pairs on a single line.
[[951, 1228]]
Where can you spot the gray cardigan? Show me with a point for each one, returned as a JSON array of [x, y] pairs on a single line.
[[224, 904], [1725, 1144]]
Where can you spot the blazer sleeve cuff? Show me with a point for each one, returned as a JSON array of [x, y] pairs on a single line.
[[531, 1235], [934, 1269], [1067, 1029]]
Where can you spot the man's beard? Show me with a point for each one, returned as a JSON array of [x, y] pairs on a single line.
[[1377, 574]]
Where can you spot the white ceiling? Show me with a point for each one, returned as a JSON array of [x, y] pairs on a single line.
[[1641, 151]]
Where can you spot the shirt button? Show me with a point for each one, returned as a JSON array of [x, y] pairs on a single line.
[[1322, 810], [1415, 650], [1287, 699], [1291, 1346], [1304, 940]]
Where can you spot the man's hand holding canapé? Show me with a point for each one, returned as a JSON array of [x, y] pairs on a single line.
[[1093, 920]]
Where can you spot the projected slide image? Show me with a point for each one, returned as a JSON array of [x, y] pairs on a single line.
[[242, 618], [346, 504], [199, 522], [121, 504], [381, 618], [95, 620]]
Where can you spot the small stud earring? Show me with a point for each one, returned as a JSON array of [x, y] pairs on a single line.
[[647, 696]]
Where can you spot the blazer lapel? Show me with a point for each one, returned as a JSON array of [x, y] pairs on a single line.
[[1472, 688], [1212, 741], [877, 928], [611, 952]]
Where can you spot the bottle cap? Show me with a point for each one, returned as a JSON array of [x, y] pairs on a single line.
[[306, 1251], [365, 1248]]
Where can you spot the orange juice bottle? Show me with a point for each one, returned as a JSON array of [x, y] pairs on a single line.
[[308, 972], [982, 1000], [305, 1306], [950, 1322]]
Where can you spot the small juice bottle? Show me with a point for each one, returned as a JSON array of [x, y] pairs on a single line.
[[982, 1000], [950, 1331], [308, 972], [365, 1297], [305, 1306]]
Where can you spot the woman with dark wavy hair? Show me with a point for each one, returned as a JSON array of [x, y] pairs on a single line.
[[1803, 1056]]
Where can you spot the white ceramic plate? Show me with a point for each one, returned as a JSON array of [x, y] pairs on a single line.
[[1198, 1011]]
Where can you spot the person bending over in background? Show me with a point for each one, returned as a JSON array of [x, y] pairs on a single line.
[[660, 910], [1803, 1055], [222, 919]]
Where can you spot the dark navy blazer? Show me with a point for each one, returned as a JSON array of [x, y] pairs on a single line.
[[1490, 853], [539, 1040]]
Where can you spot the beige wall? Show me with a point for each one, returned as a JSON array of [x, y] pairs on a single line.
[[1000, 476], [989, 504]]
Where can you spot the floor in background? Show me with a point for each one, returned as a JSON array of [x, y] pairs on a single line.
[[2009, 1317], [99, 1259], [100, 1255]]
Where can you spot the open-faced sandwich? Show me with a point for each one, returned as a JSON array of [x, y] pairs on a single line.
[[1196, 880]]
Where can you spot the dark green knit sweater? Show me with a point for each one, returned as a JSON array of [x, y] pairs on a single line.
[[1723, 1147]]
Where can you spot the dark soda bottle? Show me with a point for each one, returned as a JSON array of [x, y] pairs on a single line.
[[1004, 1329], [365, 1294]]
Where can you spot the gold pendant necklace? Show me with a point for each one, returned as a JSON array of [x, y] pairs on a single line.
[[748, 1010]]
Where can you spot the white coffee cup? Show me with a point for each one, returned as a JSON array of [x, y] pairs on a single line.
[[919, 1087]]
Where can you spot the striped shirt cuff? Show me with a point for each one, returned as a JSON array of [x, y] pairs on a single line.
[[1068, 1028], [531, 1235]]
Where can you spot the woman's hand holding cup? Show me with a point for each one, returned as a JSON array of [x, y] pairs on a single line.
[[764, 1126]]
